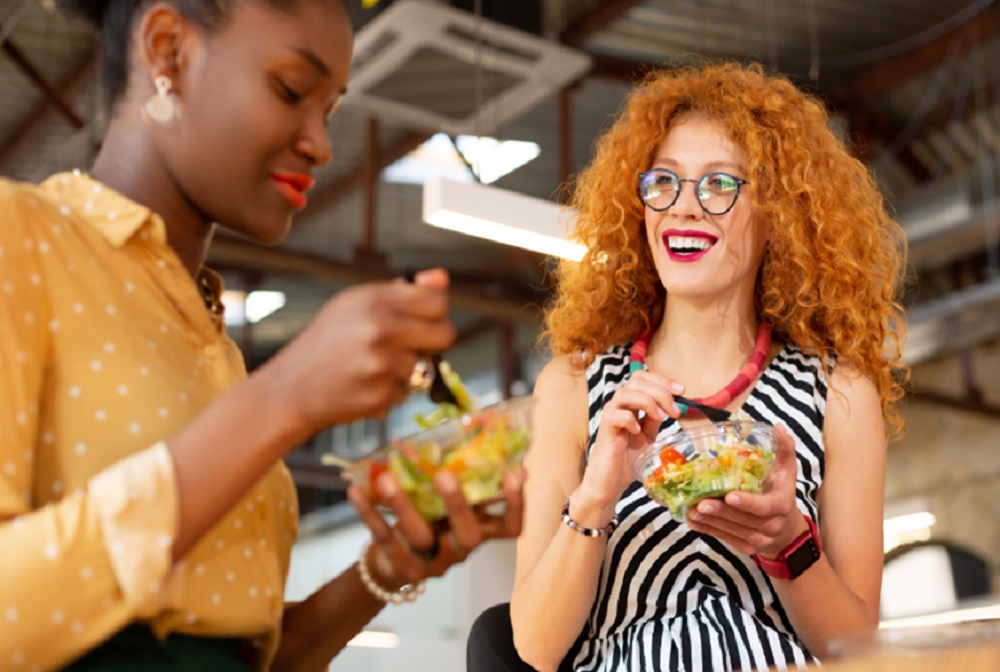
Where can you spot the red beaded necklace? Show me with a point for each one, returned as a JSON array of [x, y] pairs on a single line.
[[722, 398]]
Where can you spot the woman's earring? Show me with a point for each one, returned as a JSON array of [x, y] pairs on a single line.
[[163, 107]]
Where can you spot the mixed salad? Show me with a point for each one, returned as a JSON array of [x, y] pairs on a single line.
[[479, 447], [446, 411], [719, 464]]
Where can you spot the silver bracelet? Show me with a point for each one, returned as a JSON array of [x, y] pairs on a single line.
[[586, 531], [406, 593]]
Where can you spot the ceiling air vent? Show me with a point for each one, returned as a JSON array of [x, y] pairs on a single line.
[[428, 65]]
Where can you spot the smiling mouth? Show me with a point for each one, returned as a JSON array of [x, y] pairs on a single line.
[[688, 245]]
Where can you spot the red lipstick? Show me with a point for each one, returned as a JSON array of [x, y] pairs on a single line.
[[687, 245], [294, 186]]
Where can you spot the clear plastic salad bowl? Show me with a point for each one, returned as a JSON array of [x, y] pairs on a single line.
[[479, 447], [680, 470]]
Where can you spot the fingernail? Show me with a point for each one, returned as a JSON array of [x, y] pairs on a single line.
[[707, 507], [676, 387], [446, 482], [733, 499], [675, 408], [386, 486]]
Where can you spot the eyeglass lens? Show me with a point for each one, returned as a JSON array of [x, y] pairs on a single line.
[[716, 192]]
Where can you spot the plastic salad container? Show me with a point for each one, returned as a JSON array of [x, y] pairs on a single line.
[[479, 447], [680, 470]]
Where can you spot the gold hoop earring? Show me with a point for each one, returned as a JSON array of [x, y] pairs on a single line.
[[163, 107]]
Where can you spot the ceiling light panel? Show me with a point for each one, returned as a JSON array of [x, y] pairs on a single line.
[[433, 66]]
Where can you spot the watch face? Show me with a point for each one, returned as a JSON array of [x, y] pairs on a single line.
[[803, 557]]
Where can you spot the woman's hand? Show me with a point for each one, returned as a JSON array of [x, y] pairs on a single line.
[[761, 523], [316, 629], [621, 433], [354, 360], [415, 549]]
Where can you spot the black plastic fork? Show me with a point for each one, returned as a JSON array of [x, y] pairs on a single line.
[[439, 393], [711, 412]]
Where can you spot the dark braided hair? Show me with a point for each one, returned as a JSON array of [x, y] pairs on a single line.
[[115, 19]]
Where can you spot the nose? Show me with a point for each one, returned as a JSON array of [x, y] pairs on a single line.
[[687, 205], [314, 143]]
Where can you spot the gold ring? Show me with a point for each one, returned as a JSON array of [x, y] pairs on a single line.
[[420, 378]]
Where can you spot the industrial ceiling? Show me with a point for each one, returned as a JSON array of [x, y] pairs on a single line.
[[913, 85]]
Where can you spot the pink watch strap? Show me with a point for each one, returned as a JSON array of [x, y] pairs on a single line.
[[779, 567]]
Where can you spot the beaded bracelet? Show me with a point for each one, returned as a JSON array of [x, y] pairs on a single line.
[[407, 593], [586, 531]]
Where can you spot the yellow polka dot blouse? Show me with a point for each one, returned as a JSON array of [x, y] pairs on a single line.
[[106, 351]]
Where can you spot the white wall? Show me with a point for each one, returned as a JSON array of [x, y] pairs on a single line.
[[432, 630]]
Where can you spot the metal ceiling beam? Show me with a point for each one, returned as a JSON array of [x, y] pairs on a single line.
[[605, 13], [495, 302], [564, 129], [34, 75], [961, 109], [367, 250], [867, 121], [969, 405], [890, 72], [869, 124], [606, 67], [20, 137], [355, 177]]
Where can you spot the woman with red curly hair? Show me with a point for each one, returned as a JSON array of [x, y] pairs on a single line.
[[730, 233]]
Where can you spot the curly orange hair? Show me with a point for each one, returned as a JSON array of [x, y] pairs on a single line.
[[830, 280]]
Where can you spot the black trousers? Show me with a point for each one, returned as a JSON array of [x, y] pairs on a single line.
[[491, 644], [136, 649]]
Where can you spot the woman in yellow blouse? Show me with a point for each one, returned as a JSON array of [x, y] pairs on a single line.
[[145, 514]]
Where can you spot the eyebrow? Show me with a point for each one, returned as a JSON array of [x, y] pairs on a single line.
[[710, 166], [310, 56]]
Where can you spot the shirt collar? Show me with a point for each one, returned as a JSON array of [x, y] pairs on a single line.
[[113, 215]]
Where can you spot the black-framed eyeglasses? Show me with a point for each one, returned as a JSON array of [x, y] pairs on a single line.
[[717, 192]]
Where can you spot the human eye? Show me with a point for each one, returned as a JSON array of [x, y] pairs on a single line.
[[290, 95], [662, 181], [720, 182], [657, 183], [666, 180]]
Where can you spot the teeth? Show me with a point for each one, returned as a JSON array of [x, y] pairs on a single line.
[[680, 244]]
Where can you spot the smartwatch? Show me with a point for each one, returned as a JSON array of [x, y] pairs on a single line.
[[795, 558]]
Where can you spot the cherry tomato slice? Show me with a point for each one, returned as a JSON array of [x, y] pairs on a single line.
[[670, 456], [375, 469]]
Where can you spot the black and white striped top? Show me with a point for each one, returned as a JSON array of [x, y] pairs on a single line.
[[672, 599]]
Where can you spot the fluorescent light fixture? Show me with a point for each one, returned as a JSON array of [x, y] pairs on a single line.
[[260, 304], [241, 308], [502, 216], [375, 639], [436, 157], [909, 522], [906, 521], [489, 158]]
